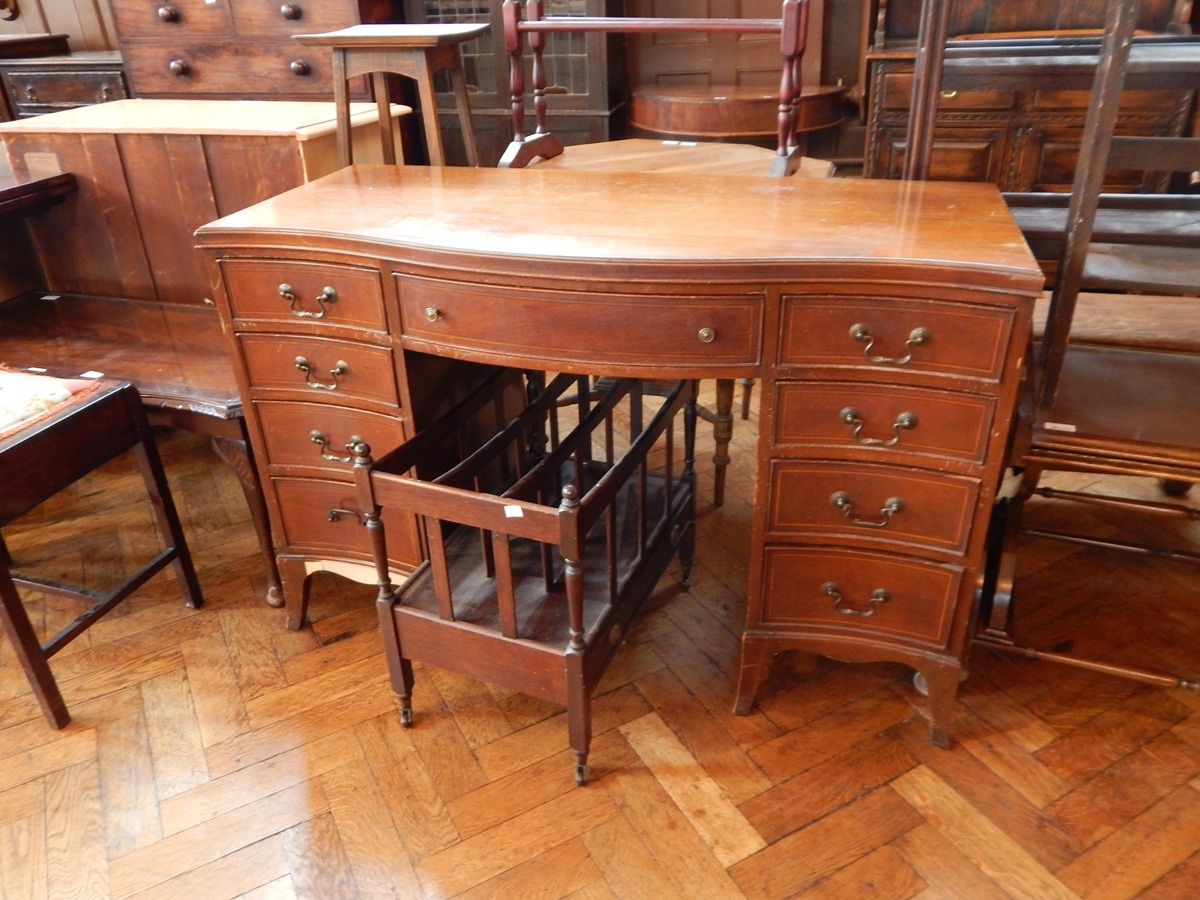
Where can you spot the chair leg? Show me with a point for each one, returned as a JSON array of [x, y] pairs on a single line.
[[29, 651], [721, 419], [167, 517], [747, 391]]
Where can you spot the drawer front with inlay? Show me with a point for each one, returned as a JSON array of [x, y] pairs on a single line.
[[333, 371], [315, 435], [832, 416], [886, 334], [305, 294], [840, 501], [614, 329], [849, 590]]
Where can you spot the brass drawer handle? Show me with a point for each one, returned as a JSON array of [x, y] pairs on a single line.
[[322, 442], [336, 514], [891, 506], [947, 95], [879, 595], [851, 416], [432, 313], [706, 335], [342, 368], [327, 296], [862, 334]]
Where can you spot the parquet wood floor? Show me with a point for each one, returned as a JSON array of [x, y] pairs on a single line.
[[214, 754]]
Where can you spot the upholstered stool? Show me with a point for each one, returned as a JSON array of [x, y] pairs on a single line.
[[54, 431], [413, 51]]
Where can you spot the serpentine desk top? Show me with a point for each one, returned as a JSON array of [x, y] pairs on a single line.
[[559, 222]]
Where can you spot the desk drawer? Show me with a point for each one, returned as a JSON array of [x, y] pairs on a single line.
[[827, 414], [336, 371], [306, 294], [822, 590], [896, 88], [841, 501], [315, 435], [954, 339], [322, 517], [595, 329]]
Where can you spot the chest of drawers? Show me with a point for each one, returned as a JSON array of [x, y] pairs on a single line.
[[888, 322], [244, 48], [48, 84]]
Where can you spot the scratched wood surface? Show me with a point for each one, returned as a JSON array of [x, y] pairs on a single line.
[[214, 754]]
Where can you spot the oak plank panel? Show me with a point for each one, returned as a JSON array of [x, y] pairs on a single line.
[[77, 745], [220, 712], [624, 860], [559, 872], [479, 717], [826, 845], [1004, 714], [1138, 854], [489, 853], [700, 798], [291, 699], [287, 734], [175, 744], [827, 688], [128, 788], [23, 858], [998, 855], [237, 874], [76, 862], [1015, 766], [947, 871], [1127, 788], [827, 786], [719, 755], [373, 847], [317, 860], [16, 802], [419, 811], [884, 872], [218, 796], [184, 851], [251, 648]]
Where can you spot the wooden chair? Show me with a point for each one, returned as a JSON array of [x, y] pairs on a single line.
[[639, 154], [83, 425], [547, 529], [1119, 358]]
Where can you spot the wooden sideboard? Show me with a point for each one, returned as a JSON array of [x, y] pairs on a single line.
[[888, 322], [1021, 137]]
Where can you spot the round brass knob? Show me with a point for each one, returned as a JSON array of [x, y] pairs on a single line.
[[432, 313], [291, 12], [300, 67], [168, 14], [179, 67], [706, 335]]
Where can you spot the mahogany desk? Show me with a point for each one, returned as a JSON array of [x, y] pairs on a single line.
[[887, 321]]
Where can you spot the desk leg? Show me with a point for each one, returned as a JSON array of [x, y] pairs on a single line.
[[721, 419], [237, 454]]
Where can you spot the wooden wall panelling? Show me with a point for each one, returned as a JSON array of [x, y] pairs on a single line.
[[89, 23]]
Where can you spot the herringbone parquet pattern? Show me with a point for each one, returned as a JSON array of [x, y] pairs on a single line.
[[213, 754]]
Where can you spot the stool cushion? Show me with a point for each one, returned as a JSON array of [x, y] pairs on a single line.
[[26, 398]]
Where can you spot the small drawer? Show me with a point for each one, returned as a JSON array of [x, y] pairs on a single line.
[[315, 435], [897, 94], [840, 501], [304, 293], [321, 518], [598, 331], [890, 334], [171, 19], [832, 416], [273, 18], [236, 68], [819, 590], [48, 90], [332, 370]]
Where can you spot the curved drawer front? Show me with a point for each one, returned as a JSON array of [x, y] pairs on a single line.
[[322, 517], [827, 415], [316, 435], [863, 502], [847, 590], [304, 294], [337, 371], [897, 335], [589, 328]]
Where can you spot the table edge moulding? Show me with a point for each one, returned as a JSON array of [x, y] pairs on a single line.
[[888, 321]]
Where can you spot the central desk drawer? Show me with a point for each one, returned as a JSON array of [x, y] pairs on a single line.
[[590, 328]]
